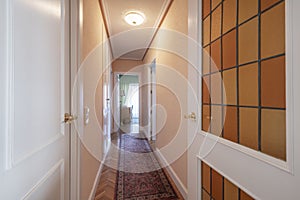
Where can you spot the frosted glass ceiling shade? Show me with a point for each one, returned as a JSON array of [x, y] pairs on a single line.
[[134, 18]]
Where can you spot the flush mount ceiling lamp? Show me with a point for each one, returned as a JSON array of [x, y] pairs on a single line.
[[134, 18]]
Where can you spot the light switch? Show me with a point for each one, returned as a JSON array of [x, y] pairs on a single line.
[[86, 112]]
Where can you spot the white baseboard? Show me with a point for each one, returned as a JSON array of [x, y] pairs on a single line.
[[182, 189], [97, 179]]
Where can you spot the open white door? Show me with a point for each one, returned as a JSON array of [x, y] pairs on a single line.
[[106, 123], [259, 175], [34, 86], [152, 100], [193, 100]]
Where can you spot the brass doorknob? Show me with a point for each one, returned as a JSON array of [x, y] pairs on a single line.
[[69, 118], [191, 116]]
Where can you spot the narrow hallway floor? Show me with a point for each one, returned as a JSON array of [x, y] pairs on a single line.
[[132, 171]]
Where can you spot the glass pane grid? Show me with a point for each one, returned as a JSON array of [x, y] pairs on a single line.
[[216, 187], [243, 77]]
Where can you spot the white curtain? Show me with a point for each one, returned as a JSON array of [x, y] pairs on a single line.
[[132, 99]]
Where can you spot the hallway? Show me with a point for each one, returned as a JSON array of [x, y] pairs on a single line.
[[214, 102], [132, 171]]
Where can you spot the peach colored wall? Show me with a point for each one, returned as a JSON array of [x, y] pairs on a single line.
[[121, 65], [92, 36], [167, 62]]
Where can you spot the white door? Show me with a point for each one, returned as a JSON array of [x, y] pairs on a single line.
[[106, 97], [35, 92], [153, 100], [261, 176]]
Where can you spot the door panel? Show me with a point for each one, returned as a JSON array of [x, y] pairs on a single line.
[[260, 175], [106, 94], [35, 88]]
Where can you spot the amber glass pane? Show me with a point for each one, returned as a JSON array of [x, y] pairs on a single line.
[[273, 82], [229, 50], [245, 196], [273, 135], [205, 195], [248, 85], [267, 3], [230, 125], [231, 192], [217, 185], [205, 89], [247, 9], [216, 120], [206, 31], [216, 81], [206, 177], [230, 93], [249, 127], [205, 7], [216, 24], [206, 118], [206, 60], [216, 56], [248, 41], [229, 15], [215, 3], [273, 31]]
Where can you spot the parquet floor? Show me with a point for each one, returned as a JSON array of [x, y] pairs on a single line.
[[107, 183]]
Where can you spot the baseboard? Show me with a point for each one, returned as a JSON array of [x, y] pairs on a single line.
[[97, 179], [182, 189]]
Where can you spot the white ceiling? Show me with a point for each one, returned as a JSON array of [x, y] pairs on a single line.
[[131, 42]]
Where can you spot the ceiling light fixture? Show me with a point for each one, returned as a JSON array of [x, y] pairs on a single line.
[[134, 18]]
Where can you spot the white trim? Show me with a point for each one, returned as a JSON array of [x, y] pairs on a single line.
[[75, 54], [97, 179], [10, 86], [194, 30], [289, 87], [182, 189], [247, 151]]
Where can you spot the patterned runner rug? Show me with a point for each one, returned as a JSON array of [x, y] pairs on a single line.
[[139, 175]]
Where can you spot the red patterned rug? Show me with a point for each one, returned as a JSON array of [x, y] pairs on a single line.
[[140, 176]]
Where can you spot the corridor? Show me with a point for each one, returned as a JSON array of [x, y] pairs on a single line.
[[132, 171], [210, 109]]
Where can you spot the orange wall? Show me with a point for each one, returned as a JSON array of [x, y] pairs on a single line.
[[172, 70]]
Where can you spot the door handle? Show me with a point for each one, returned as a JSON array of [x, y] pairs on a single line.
[[191, 116], [68, 118]]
